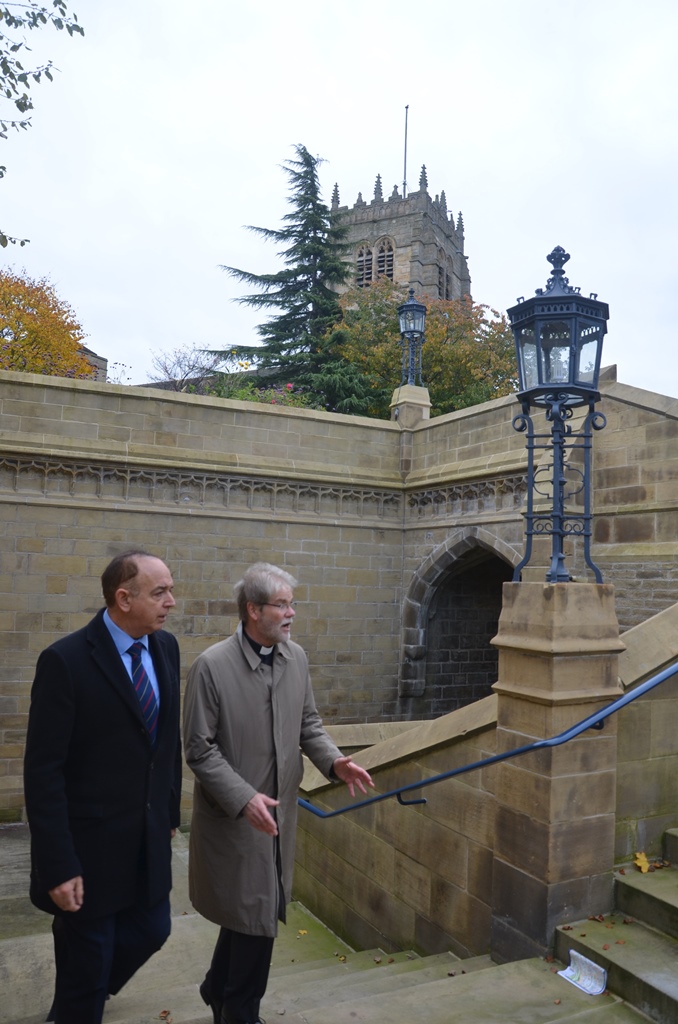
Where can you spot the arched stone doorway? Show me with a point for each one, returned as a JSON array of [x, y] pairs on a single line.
[[450, 613], [461, 664]]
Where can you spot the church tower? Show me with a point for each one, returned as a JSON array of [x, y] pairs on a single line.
[[411, 240]]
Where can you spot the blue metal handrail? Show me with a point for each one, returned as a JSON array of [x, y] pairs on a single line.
[[594, 721]]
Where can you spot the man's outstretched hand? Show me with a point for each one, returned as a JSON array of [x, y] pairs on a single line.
[[352, 774]]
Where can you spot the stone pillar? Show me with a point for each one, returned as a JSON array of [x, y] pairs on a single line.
[[410, 405], [555, 817]]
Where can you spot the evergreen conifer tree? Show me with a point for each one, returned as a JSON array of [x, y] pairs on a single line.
[[313, 251]]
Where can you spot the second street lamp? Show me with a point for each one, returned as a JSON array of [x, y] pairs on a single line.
[[412, 317]]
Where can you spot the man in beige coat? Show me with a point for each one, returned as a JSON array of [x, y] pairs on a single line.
[[249, 712]]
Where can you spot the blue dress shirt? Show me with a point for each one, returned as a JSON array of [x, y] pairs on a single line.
[[122, 641]]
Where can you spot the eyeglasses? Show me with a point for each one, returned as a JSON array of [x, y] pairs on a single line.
[[282, 606]]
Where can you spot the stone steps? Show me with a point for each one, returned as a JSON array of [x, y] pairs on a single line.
[[638, 944], [315, 977]]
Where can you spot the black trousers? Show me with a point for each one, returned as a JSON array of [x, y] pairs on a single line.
[[96, 957], [238, 974]]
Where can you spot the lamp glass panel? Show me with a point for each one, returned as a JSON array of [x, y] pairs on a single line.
[[555, 352], [528, 360], [588, 358], [407, 321], [420, 319]]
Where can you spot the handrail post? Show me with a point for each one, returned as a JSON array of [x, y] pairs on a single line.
[[555, 817]]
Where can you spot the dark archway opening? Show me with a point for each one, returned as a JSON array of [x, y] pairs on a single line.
[[461, 664]]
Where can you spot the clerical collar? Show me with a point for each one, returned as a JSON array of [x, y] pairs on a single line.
[[263, 652]]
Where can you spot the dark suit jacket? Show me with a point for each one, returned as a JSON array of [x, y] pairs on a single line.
[[101, 802]]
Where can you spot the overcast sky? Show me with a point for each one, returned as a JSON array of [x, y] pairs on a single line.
[[546, 123]]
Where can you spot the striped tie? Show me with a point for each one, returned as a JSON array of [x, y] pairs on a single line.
[[144, 690]]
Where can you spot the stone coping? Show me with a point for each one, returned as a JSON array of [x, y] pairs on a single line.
[[650, 647], [417, 739]]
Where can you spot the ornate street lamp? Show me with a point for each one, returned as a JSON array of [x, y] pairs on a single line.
[[559, 339], [412, 317]]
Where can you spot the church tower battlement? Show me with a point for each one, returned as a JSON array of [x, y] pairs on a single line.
[[413, 241]]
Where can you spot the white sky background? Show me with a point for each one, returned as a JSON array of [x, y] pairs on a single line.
[[546, 123]]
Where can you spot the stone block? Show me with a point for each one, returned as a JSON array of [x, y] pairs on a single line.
[[555, 853]]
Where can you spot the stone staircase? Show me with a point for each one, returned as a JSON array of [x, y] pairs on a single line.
[[638, 944], [315, 978]]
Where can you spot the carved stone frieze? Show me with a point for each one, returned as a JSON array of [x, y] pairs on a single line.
[[468, 498], [133, 485], [78, 481]]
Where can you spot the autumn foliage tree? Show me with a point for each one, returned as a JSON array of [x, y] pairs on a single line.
[[468, 356], [39, 332]]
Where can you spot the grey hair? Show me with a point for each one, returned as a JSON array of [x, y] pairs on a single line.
[[259, 584]]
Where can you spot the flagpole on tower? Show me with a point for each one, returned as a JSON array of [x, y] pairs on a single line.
[[407, 107]]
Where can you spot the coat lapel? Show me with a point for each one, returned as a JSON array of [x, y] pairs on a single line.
[[164, 676]]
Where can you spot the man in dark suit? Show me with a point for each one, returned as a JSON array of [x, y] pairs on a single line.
[[102, 780]]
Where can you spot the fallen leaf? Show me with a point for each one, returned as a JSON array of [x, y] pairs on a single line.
[[342, 959], [622, 871], [642, 863], [606, 946], [450, 974], [377, 959], [628, 920], [567, 928], [620, 942], [556, 1002], [303, 931]]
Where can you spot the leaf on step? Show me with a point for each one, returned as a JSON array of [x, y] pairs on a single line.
[[567, 928], [606, 945], [628, 920], [622, 871], [342, 959], [302, 931], [556, 1002], [642, 863], [620, 942], [377, 959], [597, 917]]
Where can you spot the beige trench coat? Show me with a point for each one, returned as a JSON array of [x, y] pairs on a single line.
[[245, 725]]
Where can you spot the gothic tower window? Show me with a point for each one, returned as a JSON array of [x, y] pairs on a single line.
[[385, 259], [441, 282], [364, 274]]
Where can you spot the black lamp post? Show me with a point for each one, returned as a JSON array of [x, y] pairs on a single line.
[[412, 317], [559, 339]]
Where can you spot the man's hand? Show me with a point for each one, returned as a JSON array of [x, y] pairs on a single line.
[[352, 774], [69, 895], [258, 815]]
